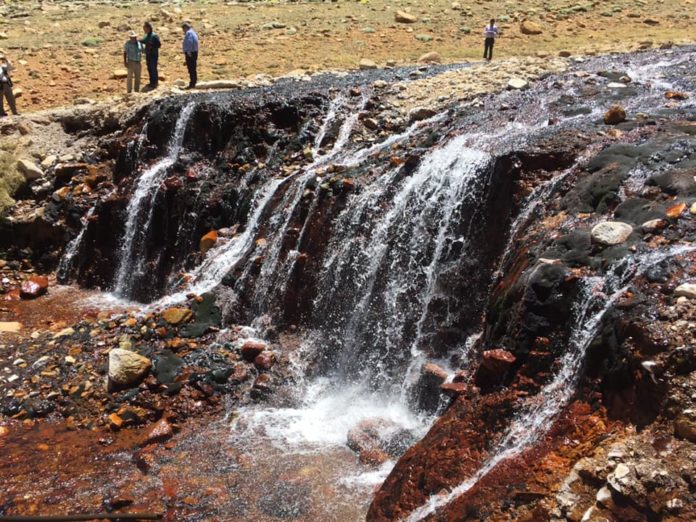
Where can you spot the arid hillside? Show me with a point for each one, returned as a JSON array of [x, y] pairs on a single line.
[[66, 51]]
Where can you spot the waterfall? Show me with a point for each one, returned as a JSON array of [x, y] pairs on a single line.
[[383, 269], [66, 262], [141, 207], [598, 296]]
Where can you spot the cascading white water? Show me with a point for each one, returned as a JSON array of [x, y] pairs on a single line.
[[597, 297], [142, 203], [66, 262], [384, 264]]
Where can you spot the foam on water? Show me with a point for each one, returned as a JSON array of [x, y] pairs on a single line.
[[326, 414]]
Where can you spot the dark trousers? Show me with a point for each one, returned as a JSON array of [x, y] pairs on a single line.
[[152, 69], [191, 64], [6, 93], [488, 48]]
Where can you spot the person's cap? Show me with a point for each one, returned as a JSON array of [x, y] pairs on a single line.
[[186, 24], [133, 34]]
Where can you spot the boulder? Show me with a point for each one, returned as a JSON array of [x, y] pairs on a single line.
[[616, 114], [120, 74], [403, 17], [177, 315], [431, 57], [366, 64], [611, 233], [34, 287], [687, 290], [252, 349], [676, 95], [518, 84], [208, 241], [421, 113], [530, 28], [30, 170], [126, 368]]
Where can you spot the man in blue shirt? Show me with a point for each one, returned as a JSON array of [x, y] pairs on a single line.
[[191, 53]]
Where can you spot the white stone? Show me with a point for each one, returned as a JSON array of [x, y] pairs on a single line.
[[518, 84], [687, 290], [611, 233], [616, 85], [127, 368], [30, 170], [604, 496]]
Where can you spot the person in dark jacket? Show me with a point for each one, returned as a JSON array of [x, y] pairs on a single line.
[[6, 92], [190, 46], [152, 44]]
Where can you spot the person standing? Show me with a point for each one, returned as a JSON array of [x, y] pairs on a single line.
[[152, 44], [491, 33], [132, 56], [6, 87], [191, 53]]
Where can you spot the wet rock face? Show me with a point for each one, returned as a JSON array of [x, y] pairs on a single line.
[[634, 384], [206, 189]]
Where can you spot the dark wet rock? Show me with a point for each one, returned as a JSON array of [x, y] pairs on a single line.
[[676, 182], [427, 390], [166, 367], [574, 248], [206, 315], [638, 211]]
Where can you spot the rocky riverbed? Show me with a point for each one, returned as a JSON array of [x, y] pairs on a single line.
[[546, 328]]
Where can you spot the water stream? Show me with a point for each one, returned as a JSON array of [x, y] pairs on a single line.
[[598, 296]]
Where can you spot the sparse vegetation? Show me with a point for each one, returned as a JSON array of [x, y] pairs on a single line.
[[10, 179]]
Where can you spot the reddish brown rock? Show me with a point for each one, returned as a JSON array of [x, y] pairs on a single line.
[[160, 432], [34, 287], [454, 389], [676, 95], [498, 361], [675, 211], [208, 241], [251, 349], [173, 183], [264, 361], [616, 114]]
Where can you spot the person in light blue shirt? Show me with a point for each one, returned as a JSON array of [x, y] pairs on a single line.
[[191, 53]]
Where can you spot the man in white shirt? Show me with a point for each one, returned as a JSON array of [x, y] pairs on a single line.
[[6, 87], [491, 33]]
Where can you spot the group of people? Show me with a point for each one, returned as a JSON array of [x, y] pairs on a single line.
[[149, 46]]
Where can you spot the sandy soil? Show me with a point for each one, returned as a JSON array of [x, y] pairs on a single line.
[[66, 51]]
